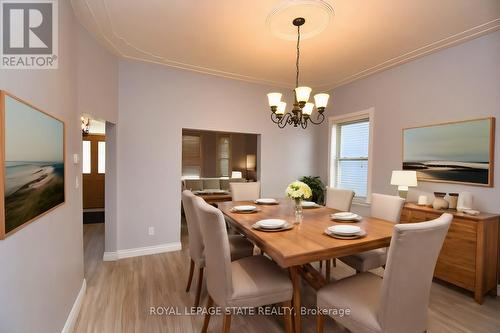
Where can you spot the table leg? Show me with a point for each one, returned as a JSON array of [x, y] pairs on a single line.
[[295, 277]]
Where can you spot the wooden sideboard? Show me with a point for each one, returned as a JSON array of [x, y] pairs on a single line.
[[470, 253]]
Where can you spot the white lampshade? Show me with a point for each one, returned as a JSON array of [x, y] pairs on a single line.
[[302, 93], [236, 174], [274, 98], [308, 109], [281, 108], [321, 100], [404, 178]]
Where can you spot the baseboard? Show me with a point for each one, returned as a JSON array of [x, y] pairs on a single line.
[[75, 310], [141, 251]]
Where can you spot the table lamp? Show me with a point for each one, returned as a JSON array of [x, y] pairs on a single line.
[[404, 179]]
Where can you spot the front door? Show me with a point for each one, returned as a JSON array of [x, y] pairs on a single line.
[[94, 157]]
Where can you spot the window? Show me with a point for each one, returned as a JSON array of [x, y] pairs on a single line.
[[223, 155], [86, 158], [101, 157], [350, 154], [191, 156]]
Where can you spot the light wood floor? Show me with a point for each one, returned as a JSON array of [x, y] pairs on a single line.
[[120, 294]]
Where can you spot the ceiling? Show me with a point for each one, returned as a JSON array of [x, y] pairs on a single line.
[[231, 39]]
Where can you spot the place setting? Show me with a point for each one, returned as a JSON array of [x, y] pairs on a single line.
[[266, 201], [272, 225], [245, 209], [346, 217], [309, 205], [345, 231]]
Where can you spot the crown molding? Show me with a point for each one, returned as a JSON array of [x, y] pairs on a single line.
[[116, 43]]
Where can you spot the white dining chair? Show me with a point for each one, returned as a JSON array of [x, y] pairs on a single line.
[[339, 199], [239, 246], [245, 191], [384, 207], [398, 302], [245, 283]]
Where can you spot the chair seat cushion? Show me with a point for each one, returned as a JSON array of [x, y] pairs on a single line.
[[359, 293], [365, 261], [258, 281]]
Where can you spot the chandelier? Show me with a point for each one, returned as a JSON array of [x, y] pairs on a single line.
[[302, 110]]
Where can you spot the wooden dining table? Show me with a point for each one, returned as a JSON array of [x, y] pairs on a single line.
[[297, 248]]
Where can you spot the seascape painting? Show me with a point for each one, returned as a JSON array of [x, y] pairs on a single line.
[[460, 152], [34, 163]]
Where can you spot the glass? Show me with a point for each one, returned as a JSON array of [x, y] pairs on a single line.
[[101, 157], [86, 159]]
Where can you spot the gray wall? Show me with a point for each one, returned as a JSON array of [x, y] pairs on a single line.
[[156, 103], [458, 83]]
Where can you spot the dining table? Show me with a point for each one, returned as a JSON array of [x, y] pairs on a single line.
[[297, 248]]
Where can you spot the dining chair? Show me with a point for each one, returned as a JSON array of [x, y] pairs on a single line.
[[248, 282], [239, 246], [339, 199], [245, 191], [384, 207], [398, 302]]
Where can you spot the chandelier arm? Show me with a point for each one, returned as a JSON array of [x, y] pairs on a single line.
[[303, 123], [284, 121], [321, 118], [274, 118]]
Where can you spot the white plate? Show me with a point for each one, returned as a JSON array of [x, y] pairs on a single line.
[[266, 201], [346, 216], [244, 208], [271, 224], [344, 229], [308, 204]]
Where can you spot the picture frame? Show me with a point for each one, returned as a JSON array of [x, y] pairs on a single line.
[[459, 152], [32, 163]]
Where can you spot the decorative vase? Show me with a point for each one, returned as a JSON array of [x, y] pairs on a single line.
[[298, 211], [452, 199], [465, 201], [439, 201]]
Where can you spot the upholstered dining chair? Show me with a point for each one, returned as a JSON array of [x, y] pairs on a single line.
[[239, 246], [398, 302], [245, 191], [247, 282], [339, 199], [384, 207]]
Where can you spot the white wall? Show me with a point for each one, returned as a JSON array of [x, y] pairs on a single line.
[[458, 83], [42, 265], [155, 104]]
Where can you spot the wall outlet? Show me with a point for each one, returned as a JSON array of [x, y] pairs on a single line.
[[151, 231]]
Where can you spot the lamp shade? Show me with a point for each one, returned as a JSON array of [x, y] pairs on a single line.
[[308, 109], [236, 174], [302, 94], [281, 108], [251, 162], [404, 178], [321, 100], [274, 98]]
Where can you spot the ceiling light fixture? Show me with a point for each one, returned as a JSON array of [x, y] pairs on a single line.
[[302, 110]]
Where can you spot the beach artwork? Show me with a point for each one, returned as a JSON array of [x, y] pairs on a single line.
[[33, 170], [460, 152]]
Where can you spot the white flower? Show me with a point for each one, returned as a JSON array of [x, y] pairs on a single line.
[[298, 190]]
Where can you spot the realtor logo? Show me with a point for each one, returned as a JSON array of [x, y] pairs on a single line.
[[29, 32]]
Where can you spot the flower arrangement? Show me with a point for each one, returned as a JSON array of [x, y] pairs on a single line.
[[298, 191]]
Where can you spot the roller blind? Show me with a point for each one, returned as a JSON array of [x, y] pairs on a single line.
[[191, 156]]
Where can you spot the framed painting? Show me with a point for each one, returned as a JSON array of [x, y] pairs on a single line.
[[32, 156], [456, 152]]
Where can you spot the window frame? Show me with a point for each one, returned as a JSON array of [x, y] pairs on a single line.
[[334, 148]]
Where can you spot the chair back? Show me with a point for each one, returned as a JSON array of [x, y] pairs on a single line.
[[245, 191], [194, 232], [339, 199], [408, 274], [387, 207], [217, 252]]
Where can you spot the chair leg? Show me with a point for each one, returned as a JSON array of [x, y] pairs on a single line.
[[320, 265], [190, 278], [226, 325], [328, 269], [320, 323], [334, 260], [210, 303], [287, 314], [198, 288]]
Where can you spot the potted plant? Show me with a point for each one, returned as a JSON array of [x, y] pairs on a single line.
[[317, 187]]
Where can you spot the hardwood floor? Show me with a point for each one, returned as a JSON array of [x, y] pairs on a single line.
[[120, 294]]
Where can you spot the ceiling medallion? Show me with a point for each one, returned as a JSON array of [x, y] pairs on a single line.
[[302, 110]]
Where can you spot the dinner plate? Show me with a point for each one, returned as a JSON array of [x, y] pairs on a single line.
[[346, 216], [360, 234], [287, 226], [271, 224], [309, 204], [244, 208], [266, 201], [344, 229]]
